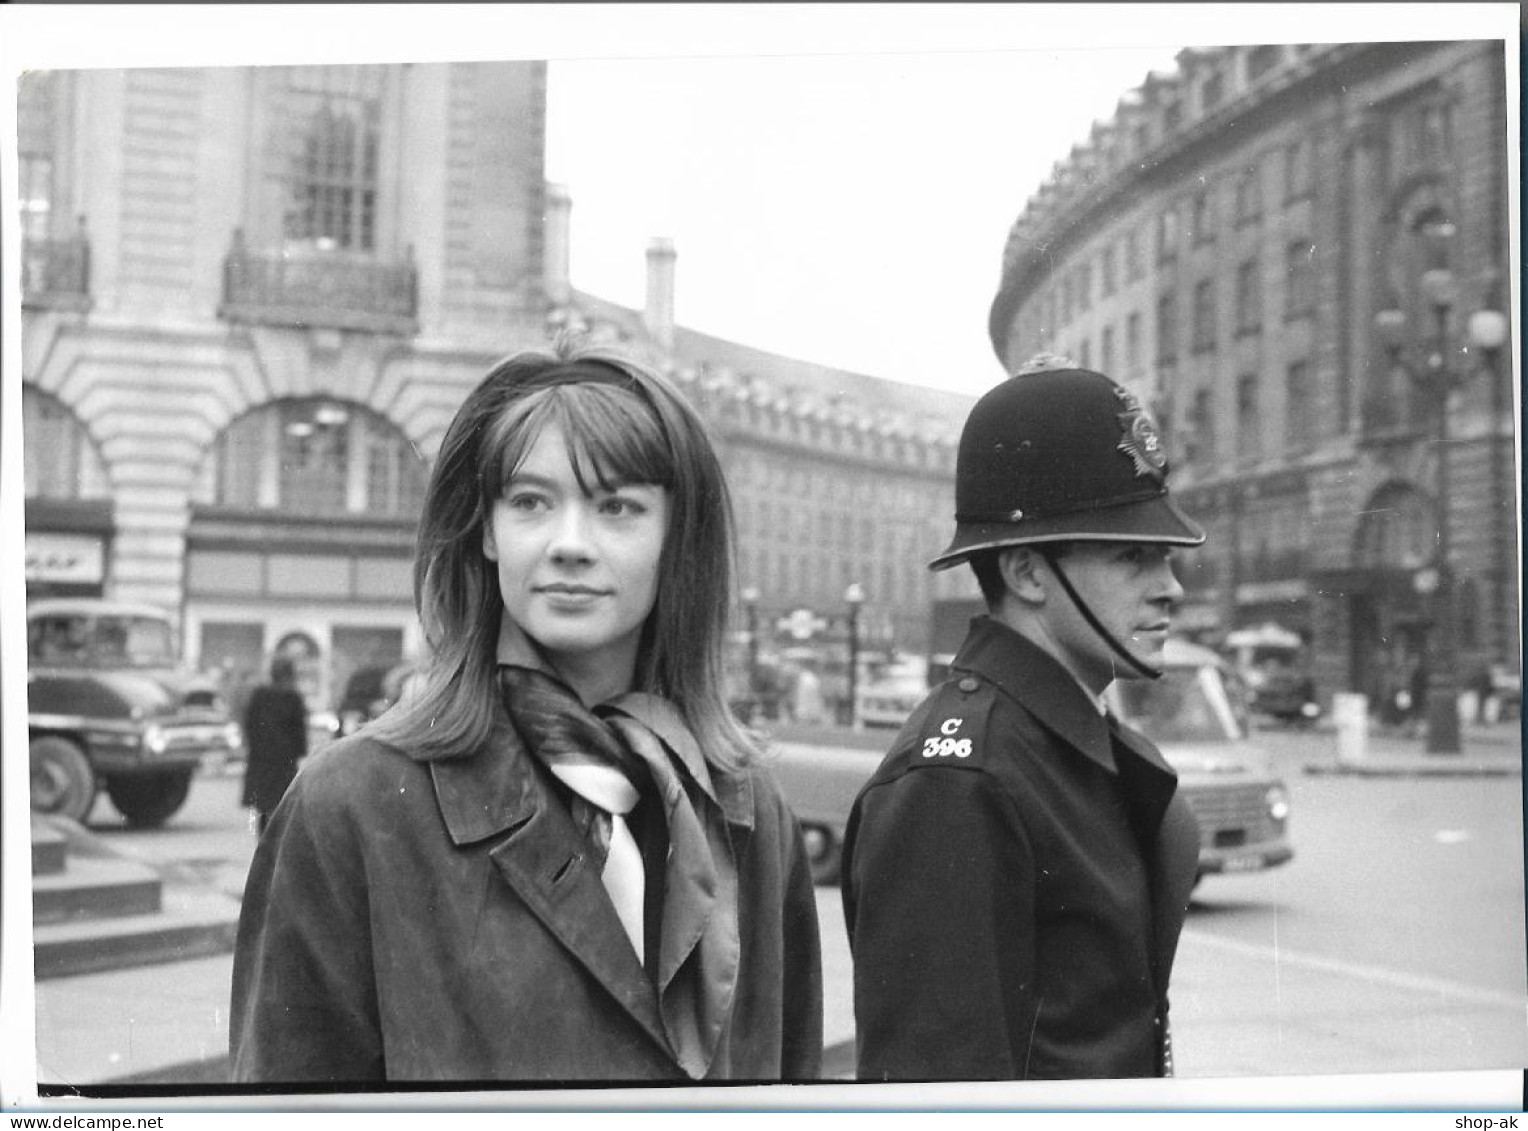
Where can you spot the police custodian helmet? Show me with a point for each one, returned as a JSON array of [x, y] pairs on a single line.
[[1060, 454]]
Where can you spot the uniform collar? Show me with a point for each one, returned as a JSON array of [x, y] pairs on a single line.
[[1035, 679]]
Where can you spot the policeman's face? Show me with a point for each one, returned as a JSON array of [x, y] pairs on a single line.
[[1131, 589]]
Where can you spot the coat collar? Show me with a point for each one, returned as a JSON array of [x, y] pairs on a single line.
[[1032, 677], [500, 789]]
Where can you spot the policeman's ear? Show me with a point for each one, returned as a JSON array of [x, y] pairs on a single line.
[[1020, 577]]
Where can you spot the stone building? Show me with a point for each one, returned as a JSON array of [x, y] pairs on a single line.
[[1242, 243], [252, 299]]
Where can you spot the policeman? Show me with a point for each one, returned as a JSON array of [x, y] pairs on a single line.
[[1016, 872]]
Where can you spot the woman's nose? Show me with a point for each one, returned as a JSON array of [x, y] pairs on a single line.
[[570, 536]]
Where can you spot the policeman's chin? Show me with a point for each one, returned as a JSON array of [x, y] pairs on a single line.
[[1148, 649]]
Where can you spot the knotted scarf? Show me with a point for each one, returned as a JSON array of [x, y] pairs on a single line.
[[602, 755]]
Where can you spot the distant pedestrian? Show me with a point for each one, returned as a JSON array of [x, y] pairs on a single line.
[[557, 858], [807, 704], [1017, 871], [275, 740]]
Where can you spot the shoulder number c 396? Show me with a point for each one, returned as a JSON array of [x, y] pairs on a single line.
[[947, 746]]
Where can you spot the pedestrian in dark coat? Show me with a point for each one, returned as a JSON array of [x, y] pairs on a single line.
[[557, 859], [275, 740], [1017, 871]]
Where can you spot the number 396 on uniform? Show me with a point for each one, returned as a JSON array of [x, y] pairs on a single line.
[[947, 746]]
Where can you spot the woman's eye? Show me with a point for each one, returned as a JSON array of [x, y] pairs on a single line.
[[526, 501], [621, 507]]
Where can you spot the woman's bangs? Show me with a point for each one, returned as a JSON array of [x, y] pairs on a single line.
[[612, 438], [611, 435], [508, 441]]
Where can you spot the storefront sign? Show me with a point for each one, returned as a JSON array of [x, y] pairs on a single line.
[[73, 559]]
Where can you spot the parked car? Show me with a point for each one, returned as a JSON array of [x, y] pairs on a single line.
[[1195, 715], [109, 704], [369, 692], [1271, 662], [893, 691]]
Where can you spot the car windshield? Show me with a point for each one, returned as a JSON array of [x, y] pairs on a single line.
[[109, 641], [1185, 705]]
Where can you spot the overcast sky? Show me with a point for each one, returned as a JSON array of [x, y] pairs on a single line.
[[846, 209]]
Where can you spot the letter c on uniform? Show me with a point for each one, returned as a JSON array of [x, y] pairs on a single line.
[[950, 726]]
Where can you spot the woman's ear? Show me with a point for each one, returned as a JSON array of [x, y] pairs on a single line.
[[490, 549], [1017, 565]]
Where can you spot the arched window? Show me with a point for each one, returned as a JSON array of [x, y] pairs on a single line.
[[61, 459], [314, 456], [1398, 529]]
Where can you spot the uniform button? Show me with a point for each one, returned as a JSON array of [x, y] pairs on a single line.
[[968, 684]]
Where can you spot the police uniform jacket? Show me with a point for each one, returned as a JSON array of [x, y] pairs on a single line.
[[405, 921], [1015, 878]]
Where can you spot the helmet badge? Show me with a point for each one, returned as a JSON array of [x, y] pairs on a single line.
[[1139, 439]]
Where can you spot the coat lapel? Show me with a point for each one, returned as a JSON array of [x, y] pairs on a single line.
[[1173, 858], [543, 859]]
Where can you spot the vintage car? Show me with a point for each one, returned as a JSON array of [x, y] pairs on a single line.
[[108, 704], [369, 692], [1197, 716], [891, 693], [1193, 713]]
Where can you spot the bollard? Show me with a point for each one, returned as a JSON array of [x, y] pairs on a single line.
[[1350, 712]]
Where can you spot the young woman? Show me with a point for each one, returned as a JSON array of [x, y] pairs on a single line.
[[555, 860]]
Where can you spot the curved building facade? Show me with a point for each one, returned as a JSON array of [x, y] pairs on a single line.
[[1287, 250]]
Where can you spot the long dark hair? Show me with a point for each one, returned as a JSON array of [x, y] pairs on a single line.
[[622, 422]]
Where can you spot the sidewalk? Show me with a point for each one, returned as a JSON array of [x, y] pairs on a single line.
[[1494, 750], [160, 1024]]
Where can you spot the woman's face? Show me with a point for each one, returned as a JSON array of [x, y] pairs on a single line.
[[578, 572]]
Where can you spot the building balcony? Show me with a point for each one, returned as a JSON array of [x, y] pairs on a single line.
[[55, 272], [320, 289]]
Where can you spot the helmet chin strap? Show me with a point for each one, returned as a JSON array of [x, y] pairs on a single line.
[[1108, 638]]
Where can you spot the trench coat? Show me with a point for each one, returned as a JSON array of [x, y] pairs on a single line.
[[409, 921], [276, 739], [1015, 877]]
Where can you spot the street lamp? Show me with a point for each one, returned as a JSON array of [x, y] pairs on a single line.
[[750, 597], [1426, 363], [854, 596]]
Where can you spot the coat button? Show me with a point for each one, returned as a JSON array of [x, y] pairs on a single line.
[[968, 684]]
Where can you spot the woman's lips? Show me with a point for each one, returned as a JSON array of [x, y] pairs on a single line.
[[571, 596]]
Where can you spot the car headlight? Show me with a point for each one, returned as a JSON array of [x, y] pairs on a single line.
[[1277, 801], [154, 739], [233, 734]]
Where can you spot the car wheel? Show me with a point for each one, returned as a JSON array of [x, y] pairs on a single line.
[[147, 800], [823, 852], [63, 782]]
